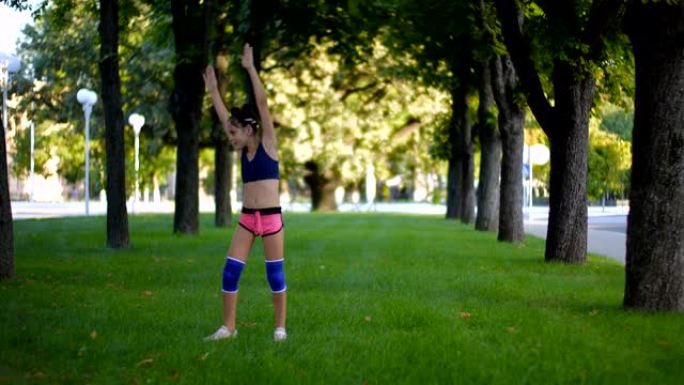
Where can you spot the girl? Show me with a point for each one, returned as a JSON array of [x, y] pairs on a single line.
[[254, 136]]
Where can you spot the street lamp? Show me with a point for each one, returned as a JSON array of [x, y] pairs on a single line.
[[137, 121], [536, 154], [9, 64], [87, 98]]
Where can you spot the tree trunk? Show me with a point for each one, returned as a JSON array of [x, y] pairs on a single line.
[[465, 147], [565, 123], [453, 206], [566, 239], [655, 228], [322, 188], [468, 188], [455, 173], [189, 27], [117, 216], [223, 160], [511, 123], [6, 228], [490, 164]]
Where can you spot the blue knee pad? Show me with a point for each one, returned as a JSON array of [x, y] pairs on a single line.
[[275, 273], [231, 274]]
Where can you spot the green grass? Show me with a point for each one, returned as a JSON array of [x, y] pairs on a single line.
[[373, 299]]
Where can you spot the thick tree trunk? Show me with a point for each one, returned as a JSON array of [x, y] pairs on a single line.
[[511, 123], [468, 185], [223, 160], [117, 216], [322, 188], [466, 151], [566, 239], [455, 172], [490, 164], [566, 123], [454, 180], [189, 27], [655, 228], [6, 228]]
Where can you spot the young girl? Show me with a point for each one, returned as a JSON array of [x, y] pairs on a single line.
[[261, 214]]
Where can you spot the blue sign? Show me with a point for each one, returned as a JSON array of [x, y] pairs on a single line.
[[526, 170]]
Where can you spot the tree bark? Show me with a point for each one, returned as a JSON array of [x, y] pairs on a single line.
[[117, 216], [490, 164], [322, 188], [223, 160], [565, 123], [468, 192], [6, 227], [511, 122], [189, 26], [655, 228], [455, 172], [566, 238]]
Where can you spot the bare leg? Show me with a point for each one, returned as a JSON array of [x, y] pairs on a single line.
[[274, 250], [240, 246]]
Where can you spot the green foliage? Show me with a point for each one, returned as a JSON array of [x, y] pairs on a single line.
[[62, 49], [346, 118], [610, 159], [618, 121], [418, 301]]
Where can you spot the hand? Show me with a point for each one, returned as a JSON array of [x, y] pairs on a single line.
[[210, 78], [248, 57]]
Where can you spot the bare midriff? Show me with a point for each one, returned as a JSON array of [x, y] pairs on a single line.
[[261, 194]]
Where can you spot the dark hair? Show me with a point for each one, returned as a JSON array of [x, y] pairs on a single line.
[[245, 115]]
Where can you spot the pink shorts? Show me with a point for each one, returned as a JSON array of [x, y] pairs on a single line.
[[262, 222]]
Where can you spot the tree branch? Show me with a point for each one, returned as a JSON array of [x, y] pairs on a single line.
[[350, 91], [603, 15], [519, 49]]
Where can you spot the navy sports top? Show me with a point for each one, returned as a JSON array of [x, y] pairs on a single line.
[[260, 168]]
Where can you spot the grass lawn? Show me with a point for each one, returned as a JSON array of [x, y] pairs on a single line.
[[373, 299]]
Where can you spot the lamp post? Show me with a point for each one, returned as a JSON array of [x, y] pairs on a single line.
[[137, 121], [9, 64], [87, 98]]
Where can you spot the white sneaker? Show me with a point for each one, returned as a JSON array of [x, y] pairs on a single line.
[[280, 334], [221, 333]]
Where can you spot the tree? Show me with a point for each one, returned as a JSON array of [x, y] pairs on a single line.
[[509, 130], [335, 119], [6, 228], [438, 36], [223, 158], [190, 30], [117, 217], [511, 121], [655, 227], [62, 48], [488, 190], [573, 35], [609, 163]]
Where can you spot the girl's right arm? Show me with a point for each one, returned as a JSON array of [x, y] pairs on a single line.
[[212, 87]]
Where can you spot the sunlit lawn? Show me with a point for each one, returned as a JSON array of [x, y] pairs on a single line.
[[373, 299]]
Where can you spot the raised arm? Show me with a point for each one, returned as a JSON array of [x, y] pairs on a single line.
[[268, 133], [212, 87]]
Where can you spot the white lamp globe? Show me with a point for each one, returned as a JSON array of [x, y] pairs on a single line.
[[13, 63], [86, 97], [137, 121]]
